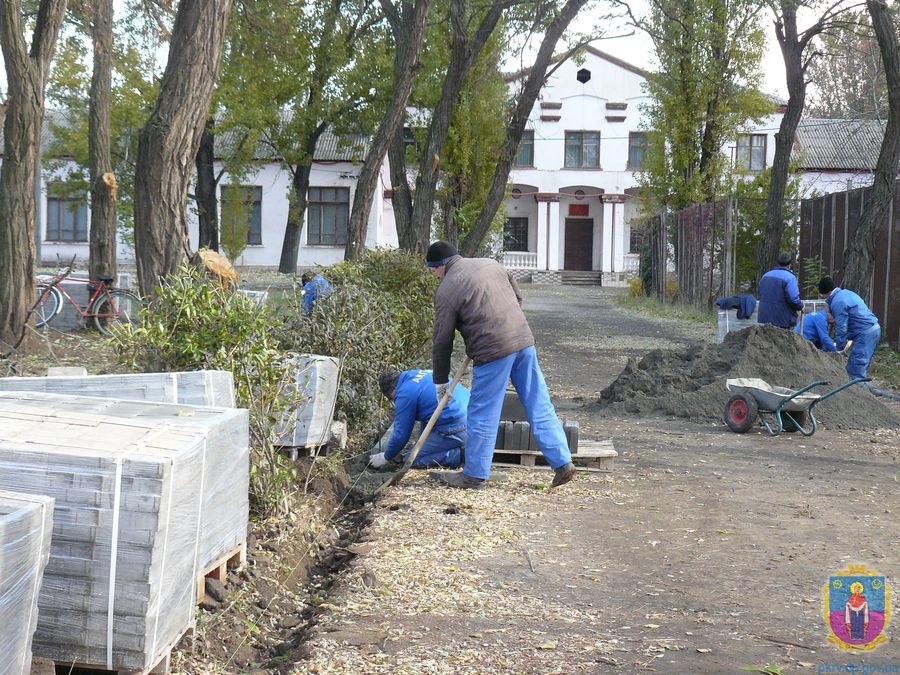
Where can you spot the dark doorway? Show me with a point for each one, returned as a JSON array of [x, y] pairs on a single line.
[[579, 249]]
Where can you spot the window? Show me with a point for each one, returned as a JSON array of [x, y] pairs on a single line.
[[637, 150], [515, 234], [751, 152], [525, 156], [242, 207], [329, 213], [66, 214], [583, 148], [636, 237]]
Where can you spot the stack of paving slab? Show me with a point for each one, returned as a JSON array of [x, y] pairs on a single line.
[[147, 496], [307, 420], [200, 387], [25, 524], [514, 431]]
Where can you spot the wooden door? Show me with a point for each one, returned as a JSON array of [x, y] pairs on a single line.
[[579, 245]]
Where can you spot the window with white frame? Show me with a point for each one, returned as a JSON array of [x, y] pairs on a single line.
[[66, 214], [242, 207], [525, 155], [582, 149], [328, 213], [751, 152]]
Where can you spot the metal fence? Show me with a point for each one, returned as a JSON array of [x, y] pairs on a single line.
[[828, 223]]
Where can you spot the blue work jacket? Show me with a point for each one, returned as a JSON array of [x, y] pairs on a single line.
[[415, 399], [779, 298], [318, 287], [851, 316], [815, 329]]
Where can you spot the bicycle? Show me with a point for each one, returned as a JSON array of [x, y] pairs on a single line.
[[107, 306]]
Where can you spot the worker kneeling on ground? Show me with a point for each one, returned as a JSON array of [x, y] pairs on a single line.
[[415, 399], [815, 329], [853, 320]]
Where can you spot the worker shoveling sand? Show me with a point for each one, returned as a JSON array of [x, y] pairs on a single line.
[[691, 383]]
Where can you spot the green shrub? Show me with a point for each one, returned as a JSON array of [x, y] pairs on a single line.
[[379, 315], [194, 324], [636, 288]]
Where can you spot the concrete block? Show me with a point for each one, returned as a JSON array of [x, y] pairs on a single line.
[[66, 371]]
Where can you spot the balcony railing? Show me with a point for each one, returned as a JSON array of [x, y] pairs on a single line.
[[631, 262], [522, 260]]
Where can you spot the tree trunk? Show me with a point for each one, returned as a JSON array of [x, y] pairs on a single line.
[[26, 76], [409, 27], [168, 143], [103, 195], [463, 54], [207, 204], [860, 251], [296, 215], [401, 195], [516, 126]]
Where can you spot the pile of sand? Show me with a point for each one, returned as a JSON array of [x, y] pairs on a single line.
[[691, 383]]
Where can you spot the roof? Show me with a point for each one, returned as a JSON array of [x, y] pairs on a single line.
[[511, 77], [836, 144]]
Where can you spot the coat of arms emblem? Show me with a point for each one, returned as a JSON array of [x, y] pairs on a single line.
[[857, 608]]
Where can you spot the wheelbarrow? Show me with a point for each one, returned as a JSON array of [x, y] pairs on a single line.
[[793, 410]]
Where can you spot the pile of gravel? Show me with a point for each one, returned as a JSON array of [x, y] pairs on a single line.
[[691, 383]]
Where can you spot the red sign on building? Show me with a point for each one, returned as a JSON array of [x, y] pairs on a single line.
[[579, 210]]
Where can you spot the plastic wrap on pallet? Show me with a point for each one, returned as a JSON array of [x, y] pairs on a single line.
[[129, 533], [25, 524], [308, 424], [199, 387]]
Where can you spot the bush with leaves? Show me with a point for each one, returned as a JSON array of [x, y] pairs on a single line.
[[194, 324], [379, 315]]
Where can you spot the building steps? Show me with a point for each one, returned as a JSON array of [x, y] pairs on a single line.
[[577, 278]]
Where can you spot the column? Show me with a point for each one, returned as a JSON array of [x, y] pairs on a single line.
[[549, 235], [541, 234]]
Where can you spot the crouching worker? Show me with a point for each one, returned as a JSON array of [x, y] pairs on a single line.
[[852, 321], [815, 329], [415, 399]]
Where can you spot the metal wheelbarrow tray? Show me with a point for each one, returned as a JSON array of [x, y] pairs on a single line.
[[793, 409]]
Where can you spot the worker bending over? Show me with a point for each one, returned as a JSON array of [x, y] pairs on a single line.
[[415, 399], [815, 329], [314, 287], [480, 299], [852, 321]]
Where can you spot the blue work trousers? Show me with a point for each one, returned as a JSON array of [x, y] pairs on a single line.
[[488, 390], [861, 352], [442, 448]]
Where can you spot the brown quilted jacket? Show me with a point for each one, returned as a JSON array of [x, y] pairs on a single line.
[[479, 298]]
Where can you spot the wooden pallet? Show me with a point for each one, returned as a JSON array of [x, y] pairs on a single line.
[[234, 559], [591, 454], [162, 667]]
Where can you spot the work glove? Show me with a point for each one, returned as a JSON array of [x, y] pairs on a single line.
[[441, 389], [378, 460]]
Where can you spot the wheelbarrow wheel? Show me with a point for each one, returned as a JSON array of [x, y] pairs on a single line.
[[794, 420], [740, 413]]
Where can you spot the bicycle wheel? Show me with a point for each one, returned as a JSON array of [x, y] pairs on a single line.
[[48, 300], [115, 307]]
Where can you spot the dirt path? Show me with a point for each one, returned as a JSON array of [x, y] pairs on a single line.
[[702, 551]]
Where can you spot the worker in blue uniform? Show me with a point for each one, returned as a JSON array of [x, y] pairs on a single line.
[[314, 287], [815, 329], [415, 399], [853, 320], [779, 295]]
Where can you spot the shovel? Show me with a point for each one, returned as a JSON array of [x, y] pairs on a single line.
[[393, 480]]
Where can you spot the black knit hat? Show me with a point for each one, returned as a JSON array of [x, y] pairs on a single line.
[[439, 253], [387, 381], [785, 258], [826, 285]]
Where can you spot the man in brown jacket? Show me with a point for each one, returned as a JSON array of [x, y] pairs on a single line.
[[480, 299]]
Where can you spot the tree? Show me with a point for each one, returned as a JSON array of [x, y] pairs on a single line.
[[205, 189], [861, 248], [847, 77], [26, 76], [102, 179], [706, 89], [557, 21], [407, 22], [797, 58], [168, 142]]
